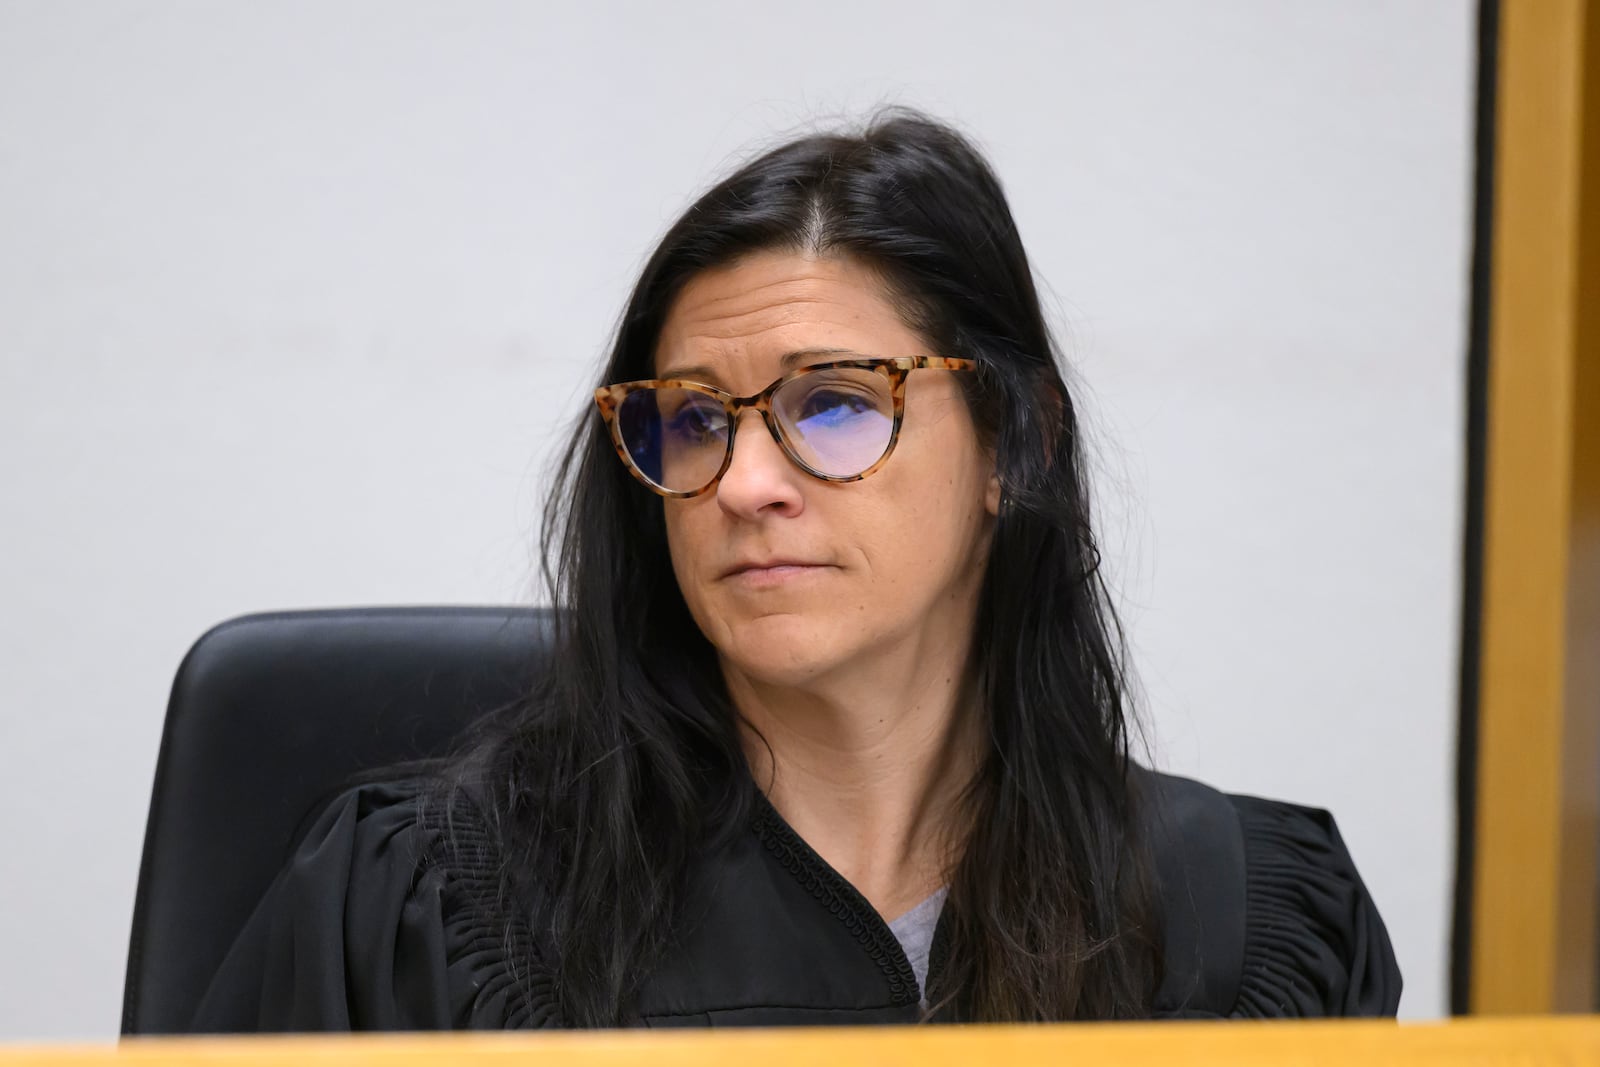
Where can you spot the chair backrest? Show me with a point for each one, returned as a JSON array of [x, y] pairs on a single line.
[[269, 715]]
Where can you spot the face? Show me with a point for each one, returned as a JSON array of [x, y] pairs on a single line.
[[793, 579]]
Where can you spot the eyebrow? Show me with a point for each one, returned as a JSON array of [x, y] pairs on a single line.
[[699, 372]]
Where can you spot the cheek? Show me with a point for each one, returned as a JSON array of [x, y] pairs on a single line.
[[693, 533], [919, 534], [946, 478], [681, 542]]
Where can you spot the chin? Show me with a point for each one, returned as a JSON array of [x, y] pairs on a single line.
[[785, 649]]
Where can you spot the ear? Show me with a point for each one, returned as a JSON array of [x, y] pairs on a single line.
[[991, 496]]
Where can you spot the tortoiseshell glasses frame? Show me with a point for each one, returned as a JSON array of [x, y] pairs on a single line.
[[896, 371]]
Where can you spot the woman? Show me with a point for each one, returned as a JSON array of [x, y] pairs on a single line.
[[837, 729]]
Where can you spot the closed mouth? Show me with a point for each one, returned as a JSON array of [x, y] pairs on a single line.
[[774, 566]]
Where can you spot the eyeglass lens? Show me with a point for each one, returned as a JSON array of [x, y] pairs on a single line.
[[838, 422]]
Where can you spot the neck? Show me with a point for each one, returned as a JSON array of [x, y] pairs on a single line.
[[870, 771]]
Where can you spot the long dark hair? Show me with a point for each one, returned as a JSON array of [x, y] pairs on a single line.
[[626, 765]]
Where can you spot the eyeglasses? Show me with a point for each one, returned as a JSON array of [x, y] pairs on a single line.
[[836, 421]]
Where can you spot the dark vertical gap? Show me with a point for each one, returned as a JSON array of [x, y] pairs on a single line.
[[1477, 425]]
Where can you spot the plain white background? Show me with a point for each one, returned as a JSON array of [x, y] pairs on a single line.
[[297, 299]]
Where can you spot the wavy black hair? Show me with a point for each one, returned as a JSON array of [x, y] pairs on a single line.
[[626, 764]]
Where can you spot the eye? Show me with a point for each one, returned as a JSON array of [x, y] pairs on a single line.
[[835, 405], [698, 421]]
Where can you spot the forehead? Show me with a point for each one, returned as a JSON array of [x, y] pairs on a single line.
[[741, 321]]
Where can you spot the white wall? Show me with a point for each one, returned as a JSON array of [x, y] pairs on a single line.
[[295, 299]]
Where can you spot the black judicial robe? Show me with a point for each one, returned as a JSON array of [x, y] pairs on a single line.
[[374, 925]]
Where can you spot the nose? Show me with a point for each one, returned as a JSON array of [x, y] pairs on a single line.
[[759, 480]]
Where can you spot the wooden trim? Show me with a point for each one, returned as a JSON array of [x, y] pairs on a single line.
[[1534, 943], [1475, 1042]]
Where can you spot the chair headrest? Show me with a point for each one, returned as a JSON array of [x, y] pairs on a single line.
[[269, 716]]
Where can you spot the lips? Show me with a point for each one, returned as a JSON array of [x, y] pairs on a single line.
[[767, 565]]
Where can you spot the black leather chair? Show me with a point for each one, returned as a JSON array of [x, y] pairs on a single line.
[[269, 716]]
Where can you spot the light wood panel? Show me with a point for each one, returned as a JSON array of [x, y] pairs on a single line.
[[1533, 925], [1525, 1042]]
